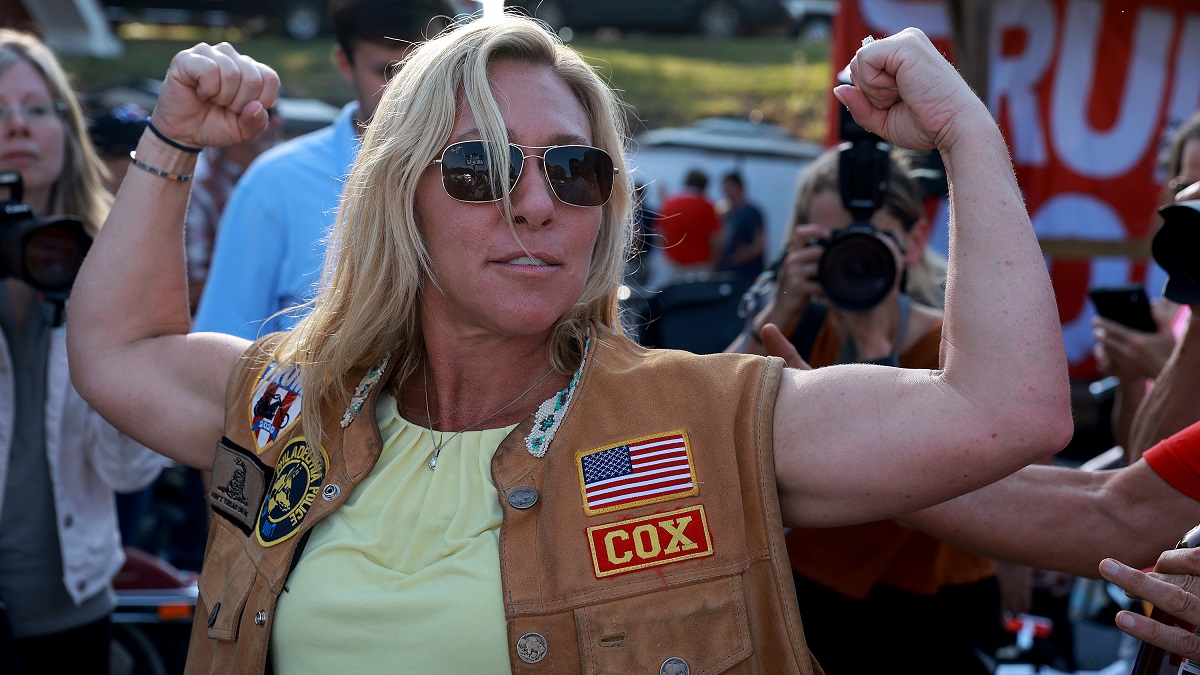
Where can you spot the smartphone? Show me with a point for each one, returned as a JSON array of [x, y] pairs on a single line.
[[1127, 305]]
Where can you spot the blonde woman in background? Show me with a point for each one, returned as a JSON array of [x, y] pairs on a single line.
[[941, 603], [60, 462]]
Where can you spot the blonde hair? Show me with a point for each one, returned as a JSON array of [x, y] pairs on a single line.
[[369, 297], [79, 190]]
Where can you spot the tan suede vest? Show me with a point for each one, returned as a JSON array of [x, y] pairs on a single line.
[[686, 575]]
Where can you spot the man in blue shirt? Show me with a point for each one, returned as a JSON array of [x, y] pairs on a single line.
[[270, 243], [744, 234]]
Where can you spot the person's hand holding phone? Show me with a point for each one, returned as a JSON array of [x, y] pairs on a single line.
[[1128, 353]]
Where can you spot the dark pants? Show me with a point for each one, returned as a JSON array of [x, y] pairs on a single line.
[[894, 629], [79, 651]]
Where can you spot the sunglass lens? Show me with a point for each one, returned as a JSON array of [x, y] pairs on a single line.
[[466, 171], [580, 175]]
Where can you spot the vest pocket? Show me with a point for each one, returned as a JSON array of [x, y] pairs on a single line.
[[704, 624], [225, 581]]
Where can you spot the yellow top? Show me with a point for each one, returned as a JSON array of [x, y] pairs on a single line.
[[405, 576]]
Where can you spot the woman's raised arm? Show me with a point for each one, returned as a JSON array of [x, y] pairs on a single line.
[[131, 353], [860, 442]]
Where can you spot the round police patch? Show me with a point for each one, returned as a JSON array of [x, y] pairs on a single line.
[[297, 483]]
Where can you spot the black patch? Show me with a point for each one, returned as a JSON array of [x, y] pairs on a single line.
[[239, 484]]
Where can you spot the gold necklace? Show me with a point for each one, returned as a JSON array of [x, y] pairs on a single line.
[[438, 445]]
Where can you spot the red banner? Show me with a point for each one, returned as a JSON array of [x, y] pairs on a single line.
[[1088, 94]]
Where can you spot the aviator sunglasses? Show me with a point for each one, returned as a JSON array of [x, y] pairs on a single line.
[[579, 175]]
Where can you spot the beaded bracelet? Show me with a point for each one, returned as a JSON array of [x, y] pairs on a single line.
[[177, 177], [173, 144]]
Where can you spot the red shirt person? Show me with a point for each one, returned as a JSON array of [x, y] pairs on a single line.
[[689, 225]]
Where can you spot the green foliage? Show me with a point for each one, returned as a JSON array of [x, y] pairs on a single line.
[[667, 80], [671, 81]]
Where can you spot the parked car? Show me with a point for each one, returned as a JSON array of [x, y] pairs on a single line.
[[811, 20], [718, 19], [299, 19]]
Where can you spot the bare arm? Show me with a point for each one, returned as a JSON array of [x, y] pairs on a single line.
[[1135, 357], [1066, 519], [860, 442], [1174, 402], [131, 355]]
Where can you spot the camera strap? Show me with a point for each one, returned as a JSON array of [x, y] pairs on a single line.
[[805, 335], [849, 353]]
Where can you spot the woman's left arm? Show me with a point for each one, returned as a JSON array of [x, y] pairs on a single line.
[[857, 442]]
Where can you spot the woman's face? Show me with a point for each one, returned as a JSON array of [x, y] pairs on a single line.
[[489, 285], [30, 142]]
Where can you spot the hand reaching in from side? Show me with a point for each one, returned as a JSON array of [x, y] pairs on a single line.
[[1173, 586], [778, 345]]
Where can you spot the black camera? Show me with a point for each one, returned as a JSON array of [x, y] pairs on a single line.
[[858, 269], [45, 252], [1174, 249]]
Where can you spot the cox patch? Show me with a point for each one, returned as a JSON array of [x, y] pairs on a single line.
[[296, 484], [649, 541], [275, 406]]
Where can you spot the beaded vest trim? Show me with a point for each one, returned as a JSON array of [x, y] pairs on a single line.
[[364, 387], [551, 412]]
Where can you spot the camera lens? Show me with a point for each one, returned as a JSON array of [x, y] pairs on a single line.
[[857, 269], [45, 253], [53, 256]]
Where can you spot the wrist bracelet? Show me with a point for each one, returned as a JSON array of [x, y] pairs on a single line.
[[173, 144], [177, 177]]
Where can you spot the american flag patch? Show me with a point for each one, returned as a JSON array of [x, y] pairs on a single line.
[[645, 470]]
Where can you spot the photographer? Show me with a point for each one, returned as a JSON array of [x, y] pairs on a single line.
[[917, 585], [60, 461], [866, 333]]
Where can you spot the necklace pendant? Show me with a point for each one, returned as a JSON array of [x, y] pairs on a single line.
[[432, 463]]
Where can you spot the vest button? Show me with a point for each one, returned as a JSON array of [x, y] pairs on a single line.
[[260, 619], [522, 497], [674, 666], [330, 492], [531, 647]]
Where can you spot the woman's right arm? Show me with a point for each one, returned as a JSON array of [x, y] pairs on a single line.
[[132, 357]]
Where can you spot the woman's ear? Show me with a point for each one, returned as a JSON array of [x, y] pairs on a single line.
[[915, 241]]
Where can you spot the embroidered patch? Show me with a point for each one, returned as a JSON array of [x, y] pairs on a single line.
[[644, 470], [657, 539], [275, 405], [297, 483], [238, 482]]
